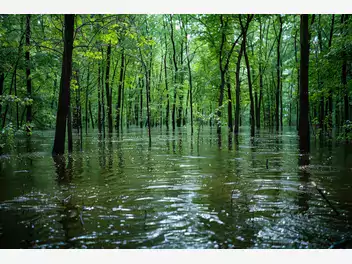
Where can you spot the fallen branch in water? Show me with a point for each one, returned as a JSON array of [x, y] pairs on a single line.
[[325, 198]]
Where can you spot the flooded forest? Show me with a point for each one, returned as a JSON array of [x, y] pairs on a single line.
[[176, 131]]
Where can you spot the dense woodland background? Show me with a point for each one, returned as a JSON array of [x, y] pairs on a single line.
[[77, 73]]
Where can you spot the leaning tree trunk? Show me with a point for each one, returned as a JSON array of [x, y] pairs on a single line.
[[64, 96]]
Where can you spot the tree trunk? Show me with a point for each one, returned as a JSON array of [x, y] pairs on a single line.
[[176, 74], [167, 94], [28, 73], [91, 115], [260, 75], [2, 79], [330, 88], [87, 117], [252, 119], [99, 101], [141, 105], [238, 89], [64, 97], [118, 106], [344, 19], [278, 71], [107, 88], [303, 132], [229, 105]]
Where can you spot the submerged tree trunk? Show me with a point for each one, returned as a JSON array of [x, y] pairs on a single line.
[[304, 99], [64, 97]]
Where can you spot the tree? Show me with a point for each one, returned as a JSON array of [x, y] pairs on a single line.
[[304, 99], [64, 96]]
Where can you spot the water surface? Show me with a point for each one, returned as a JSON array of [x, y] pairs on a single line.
[[183, 192]]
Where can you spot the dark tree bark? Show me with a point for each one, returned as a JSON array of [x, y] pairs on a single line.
[[119, 96], [64, 97], [298, 84], [238, 67], [303, 131], [28, 72]]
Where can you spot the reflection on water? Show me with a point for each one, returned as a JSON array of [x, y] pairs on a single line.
[[183, 192]]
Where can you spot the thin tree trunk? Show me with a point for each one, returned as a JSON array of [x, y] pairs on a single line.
[[238, 89], [330, 88], [344, 72], [229, 105], [252, 120], [108, 92], [2, 79], [91, 115], [176, 74], [99, 101], [87, 117], [167, 93], [118, 106], [28, 73], [278, 71]]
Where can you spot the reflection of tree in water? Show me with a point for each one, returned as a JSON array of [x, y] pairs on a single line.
[[68, 209], [101, 151]]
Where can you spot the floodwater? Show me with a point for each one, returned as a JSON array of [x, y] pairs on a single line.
[[182, 192]]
